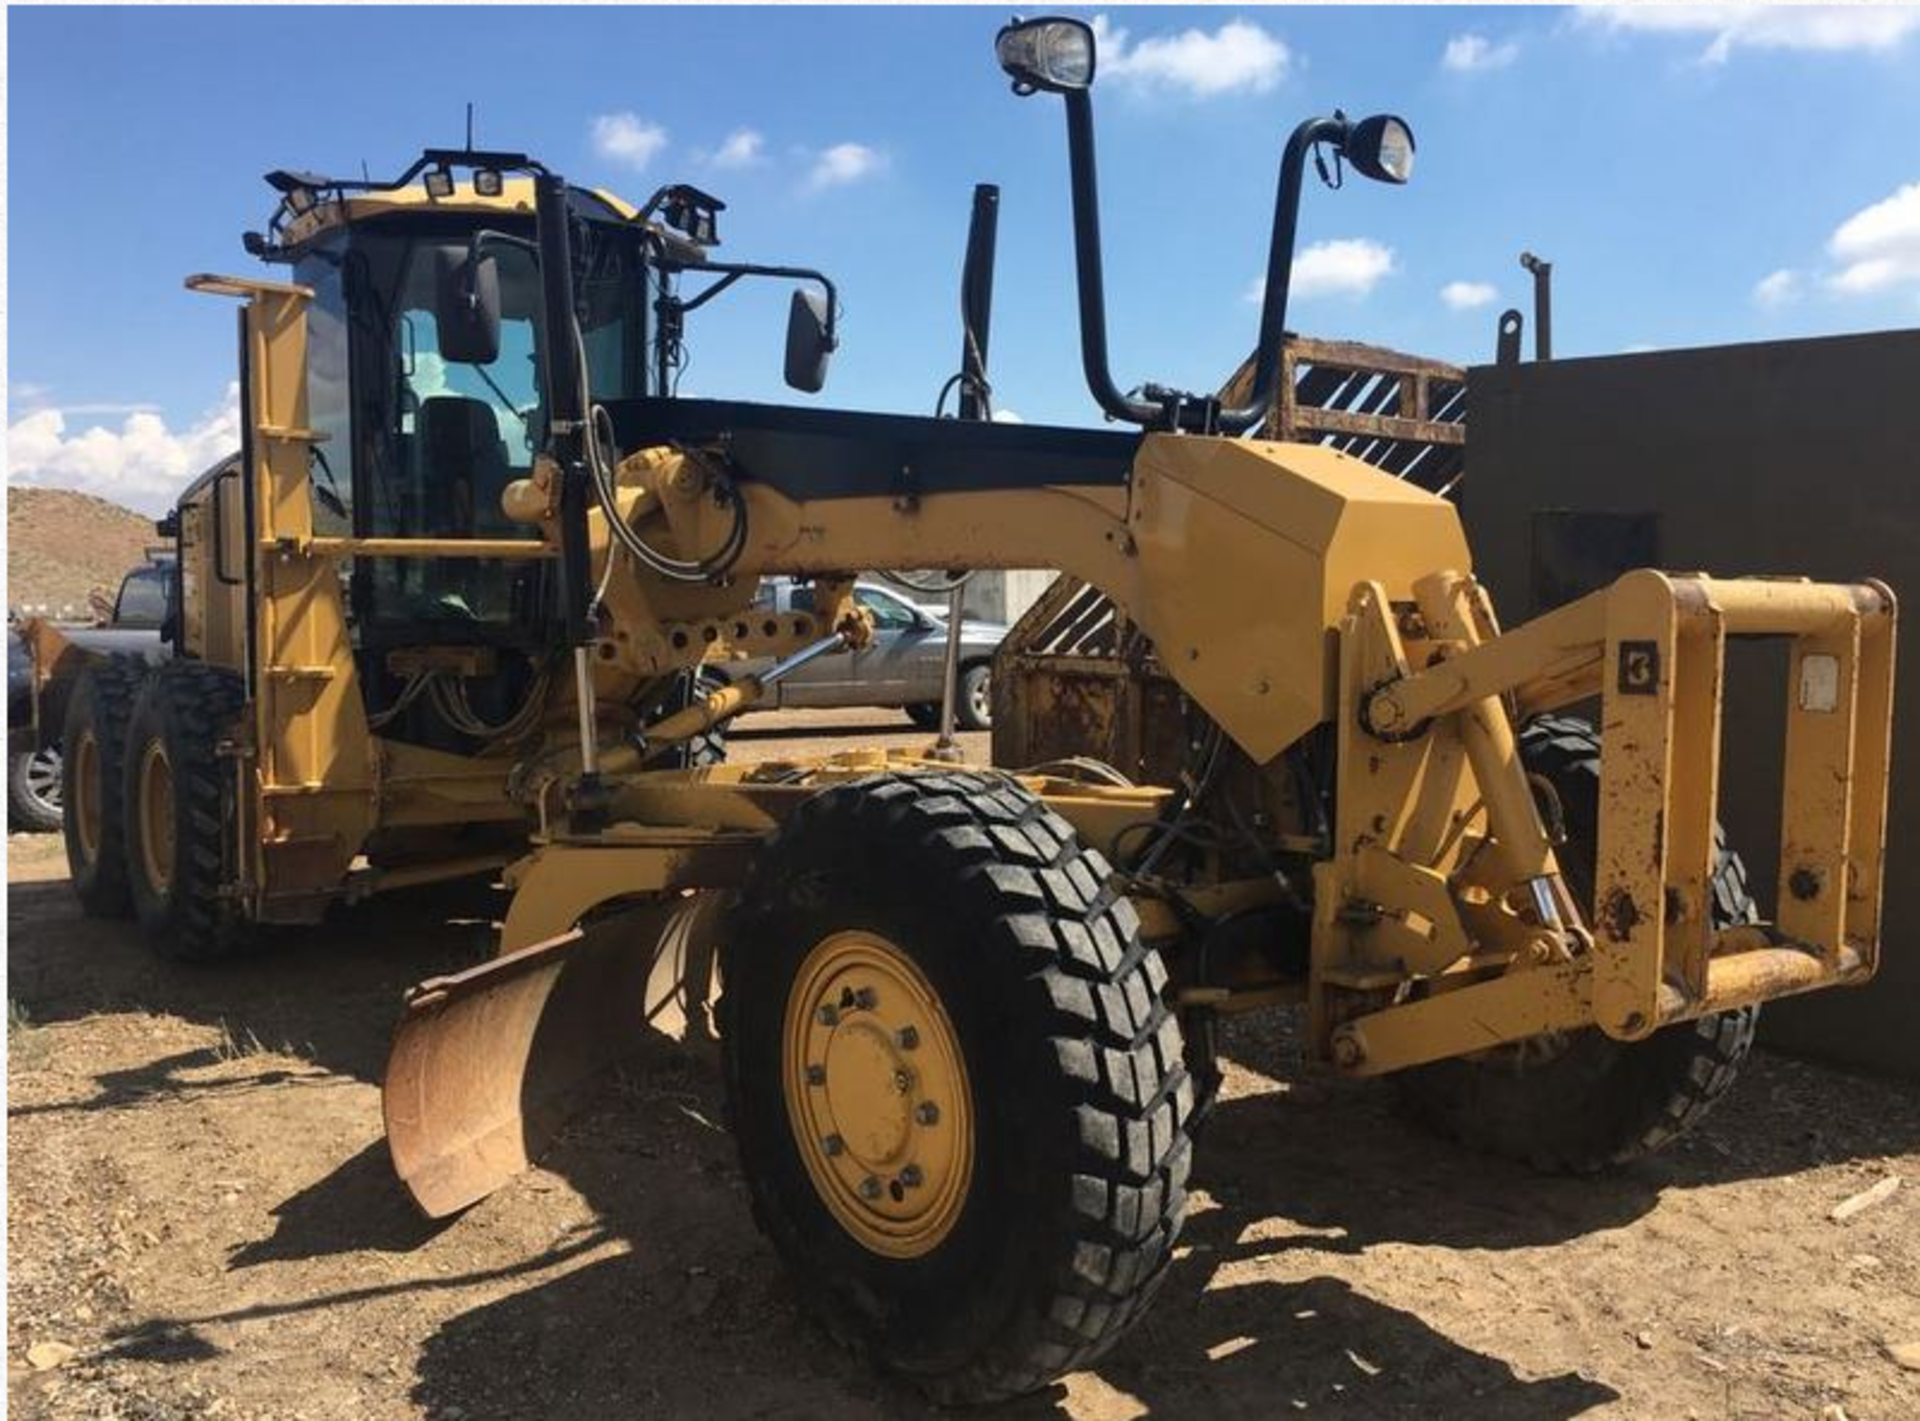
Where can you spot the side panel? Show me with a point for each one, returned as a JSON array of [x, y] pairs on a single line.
[[213, 564]]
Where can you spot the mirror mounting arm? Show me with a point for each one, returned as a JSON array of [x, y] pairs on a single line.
[[1087, 263], [731, 272], [1273, 311]]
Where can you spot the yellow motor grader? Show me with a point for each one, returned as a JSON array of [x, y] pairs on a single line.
[[447, 612]]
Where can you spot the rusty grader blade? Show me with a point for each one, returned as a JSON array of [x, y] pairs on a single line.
[[487, 1064]]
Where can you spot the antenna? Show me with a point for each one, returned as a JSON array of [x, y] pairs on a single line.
[[365, 175], [469, 125]]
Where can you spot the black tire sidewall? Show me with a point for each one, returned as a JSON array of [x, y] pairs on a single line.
[[187, 707], [97, 709], [1019, 1169]]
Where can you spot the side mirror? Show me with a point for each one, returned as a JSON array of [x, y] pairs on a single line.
[[809, 342], [467, 307], [1052, 53]]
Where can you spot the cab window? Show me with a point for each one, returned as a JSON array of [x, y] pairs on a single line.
[[143, 599]]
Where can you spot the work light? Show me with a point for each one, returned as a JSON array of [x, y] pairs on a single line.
[[1052, 53], [1381, 148]]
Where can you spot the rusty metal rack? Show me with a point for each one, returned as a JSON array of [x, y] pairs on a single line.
[[1402, 413], [1075, 676]]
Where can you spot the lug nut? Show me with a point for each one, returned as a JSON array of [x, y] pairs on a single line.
[[833, 1144], [869, 1188], [908, 1037], [829, 1015], [910, 1176], [927, 1113], [816, 1075], [903, 1081], [865, 998]]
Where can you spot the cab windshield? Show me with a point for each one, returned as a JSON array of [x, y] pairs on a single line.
[[420, 445]]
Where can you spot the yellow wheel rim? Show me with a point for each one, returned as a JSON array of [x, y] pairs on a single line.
[[877, 1094], [86, 800], [156, 815]]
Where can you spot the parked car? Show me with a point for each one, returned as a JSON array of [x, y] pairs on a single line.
[[902, 667], [33, 771], [43, 660]]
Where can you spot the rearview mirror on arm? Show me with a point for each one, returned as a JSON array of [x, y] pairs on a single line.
[[467, 307], [809, 342]]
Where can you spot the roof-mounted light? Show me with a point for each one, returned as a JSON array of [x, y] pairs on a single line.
[[439, 183], [488, 182], [1052, 53]]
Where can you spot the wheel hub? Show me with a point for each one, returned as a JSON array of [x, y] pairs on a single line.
[[877, 1094], [156, 816], [43, 778], [86, 806]]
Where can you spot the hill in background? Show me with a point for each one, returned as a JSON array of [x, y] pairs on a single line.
[[62, 544]]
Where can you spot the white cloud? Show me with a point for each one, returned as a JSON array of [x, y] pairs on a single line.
[[1472, 54], [1467, 295], [1878, 248], [740, 150], [844, 163], [1776, 289], [1007, 417], [626, 139], [1237, 56], [1822, 29], [1345, 266], [143, 464]]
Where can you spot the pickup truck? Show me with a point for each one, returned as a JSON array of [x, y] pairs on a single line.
[[902, 667], [43, 659]]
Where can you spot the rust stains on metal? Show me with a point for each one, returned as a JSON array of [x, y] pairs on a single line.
[[1619, 915]]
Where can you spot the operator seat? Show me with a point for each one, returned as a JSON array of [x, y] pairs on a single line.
[[466, 464]]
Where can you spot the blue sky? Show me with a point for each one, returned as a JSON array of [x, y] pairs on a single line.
[[1695, 177]]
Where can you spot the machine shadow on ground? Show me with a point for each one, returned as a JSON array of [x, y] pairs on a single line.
[[671, 1299]]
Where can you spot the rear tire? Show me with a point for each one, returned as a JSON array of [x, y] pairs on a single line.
[[33, 791], [1581, 1103], [1073, 1092], [92, 775], [181, 812]]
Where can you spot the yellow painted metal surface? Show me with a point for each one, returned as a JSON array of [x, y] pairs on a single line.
[[877, 1094], [312, 759], [1652, 647]]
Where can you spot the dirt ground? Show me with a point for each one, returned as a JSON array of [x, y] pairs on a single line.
[[202, 1222]]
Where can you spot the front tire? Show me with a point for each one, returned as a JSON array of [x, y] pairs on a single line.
[[1582, 1102], [960, 1100], [181, 812], [92, 773]]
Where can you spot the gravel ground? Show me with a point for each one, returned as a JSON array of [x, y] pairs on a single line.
[[202, 1222]]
